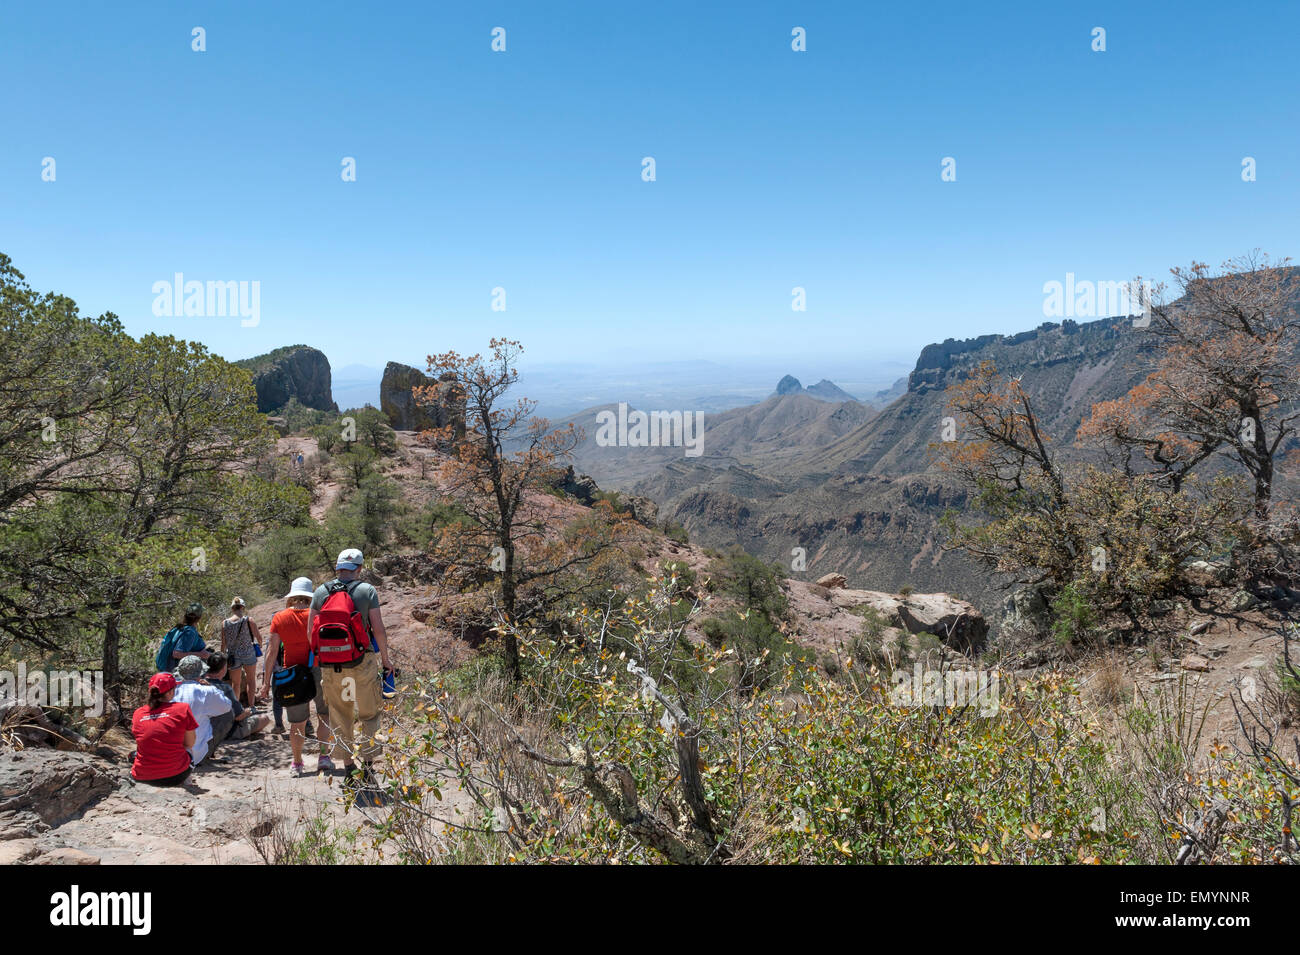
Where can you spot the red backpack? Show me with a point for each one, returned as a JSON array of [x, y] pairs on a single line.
[[339, 635]]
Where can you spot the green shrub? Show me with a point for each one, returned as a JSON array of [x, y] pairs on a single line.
[[806, 770], [1073, 620], [675, 532]]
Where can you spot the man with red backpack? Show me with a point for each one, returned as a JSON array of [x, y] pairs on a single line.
[[346, 632]]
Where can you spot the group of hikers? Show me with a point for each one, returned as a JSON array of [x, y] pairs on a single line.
[[322, 650]]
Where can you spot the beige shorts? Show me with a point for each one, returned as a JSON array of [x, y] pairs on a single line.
[[301, 712]]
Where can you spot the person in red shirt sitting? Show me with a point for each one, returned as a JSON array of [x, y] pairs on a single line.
[[163, 732]]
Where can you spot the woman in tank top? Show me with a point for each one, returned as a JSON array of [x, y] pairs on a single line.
[[240, 640]]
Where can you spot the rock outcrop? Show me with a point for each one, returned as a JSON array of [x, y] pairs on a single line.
[[397, 400], [955, 622], [583, 488], [578, 486], [295, 371], [41, 788]]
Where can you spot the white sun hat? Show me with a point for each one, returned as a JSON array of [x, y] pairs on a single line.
[[302, 587]]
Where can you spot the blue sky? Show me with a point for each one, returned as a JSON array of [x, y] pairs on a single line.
[[522, 169]]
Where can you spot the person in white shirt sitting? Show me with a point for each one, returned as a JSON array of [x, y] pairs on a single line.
[[204, 702]]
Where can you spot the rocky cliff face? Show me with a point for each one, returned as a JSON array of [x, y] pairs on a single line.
[[867, 503], [296, 371], [397, 400], [789, 385]]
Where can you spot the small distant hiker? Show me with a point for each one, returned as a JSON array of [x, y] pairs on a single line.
[[204, 702], [242, 721], [290, 645], [164, 732], [181, 641], [347, 631], [241, 641]]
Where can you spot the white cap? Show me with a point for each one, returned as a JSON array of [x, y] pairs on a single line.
[[349, 559], [302, 587]]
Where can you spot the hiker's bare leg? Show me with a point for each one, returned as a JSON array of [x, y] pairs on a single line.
[[250, 681], [296, 736], [324, 734]]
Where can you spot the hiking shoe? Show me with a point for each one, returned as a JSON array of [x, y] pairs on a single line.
[[324, 764], [298, 769], [279, 729]]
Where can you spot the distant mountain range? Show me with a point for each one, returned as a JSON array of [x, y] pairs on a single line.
[[825, 390], [865, 500], [780, 427]]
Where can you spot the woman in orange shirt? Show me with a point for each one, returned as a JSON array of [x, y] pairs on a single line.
[[289, 632]]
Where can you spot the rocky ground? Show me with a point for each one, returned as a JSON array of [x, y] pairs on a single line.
[[63, 807]]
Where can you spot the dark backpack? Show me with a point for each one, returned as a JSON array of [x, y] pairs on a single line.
[[339, 635], [294, 685]]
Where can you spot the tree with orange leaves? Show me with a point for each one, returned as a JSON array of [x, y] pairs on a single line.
[[1004, 455], [1113, 539], [501, 462], [1227, 382], [1225, 389]]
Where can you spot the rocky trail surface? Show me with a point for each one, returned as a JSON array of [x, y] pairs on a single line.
[[63, 807]]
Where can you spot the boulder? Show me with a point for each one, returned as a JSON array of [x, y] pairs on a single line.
[[1242, 601], [1026, 611], [41, 788], [955, 622], [397, 400], [832, 580], [1203, 573], [66, 856], [424, 609]]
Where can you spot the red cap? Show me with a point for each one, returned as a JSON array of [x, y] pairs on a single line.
[[162, 682]]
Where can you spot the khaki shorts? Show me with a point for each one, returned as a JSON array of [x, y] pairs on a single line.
[[301, 712]]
